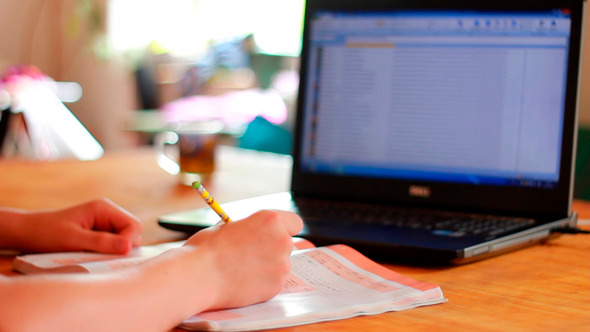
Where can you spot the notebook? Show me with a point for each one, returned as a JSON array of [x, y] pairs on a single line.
[[435, 131]]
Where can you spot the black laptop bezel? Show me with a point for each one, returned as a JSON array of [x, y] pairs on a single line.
[[542, 204]]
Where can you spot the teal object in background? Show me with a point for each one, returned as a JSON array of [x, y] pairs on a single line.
[[263, 135]]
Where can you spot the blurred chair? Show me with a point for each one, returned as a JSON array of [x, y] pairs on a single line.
[[582, 175]]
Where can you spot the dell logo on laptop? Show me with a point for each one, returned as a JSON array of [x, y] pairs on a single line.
[[419, 191]]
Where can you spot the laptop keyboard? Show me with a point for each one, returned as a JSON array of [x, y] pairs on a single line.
[[437, 222]]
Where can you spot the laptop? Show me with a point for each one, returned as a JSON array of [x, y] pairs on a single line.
[[431, 131]]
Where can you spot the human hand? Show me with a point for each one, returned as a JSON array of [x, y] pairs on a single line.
[[250, 257], [99, 225]]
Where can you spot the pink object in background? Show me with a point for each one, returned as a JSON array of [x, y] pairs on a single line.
[[236, 109]]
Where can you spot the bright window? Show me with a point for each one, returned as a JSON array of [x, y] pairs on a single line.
[[186, 27]]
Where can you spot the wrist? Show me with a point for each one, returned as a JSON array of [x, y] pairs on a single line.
[[13, 224], [180, 279], [199, 266]]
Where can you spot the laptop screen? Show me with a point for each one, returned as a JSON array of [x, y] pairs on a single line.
[[472, 97]]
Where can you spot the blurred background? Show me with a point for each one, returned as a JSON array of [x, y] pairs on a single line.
[[143, 63], [133, 58]]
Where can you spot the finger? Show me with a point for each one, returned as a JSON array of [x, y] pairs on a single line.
[[104, 242], [292, 221], [111, 217], [132, 234]]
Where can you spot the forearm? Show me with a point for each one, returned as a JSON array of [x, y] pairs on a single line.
[[154, 296]]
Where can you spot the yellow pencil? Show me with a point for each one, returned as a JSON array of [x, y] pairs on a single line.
[[211, 201]]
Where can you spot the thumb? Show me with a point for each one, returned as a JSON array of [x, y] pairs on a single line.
[[105, 242]]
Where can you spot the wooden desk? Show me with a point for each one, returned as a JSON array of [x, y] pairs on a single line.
[[542, 288]]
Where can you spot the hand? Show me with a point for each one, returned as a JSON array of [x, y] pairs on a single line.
[[99, 226], [250, 257]]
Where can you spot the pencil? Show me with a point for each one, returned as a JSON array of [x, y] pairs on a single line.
[[211, 201]]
